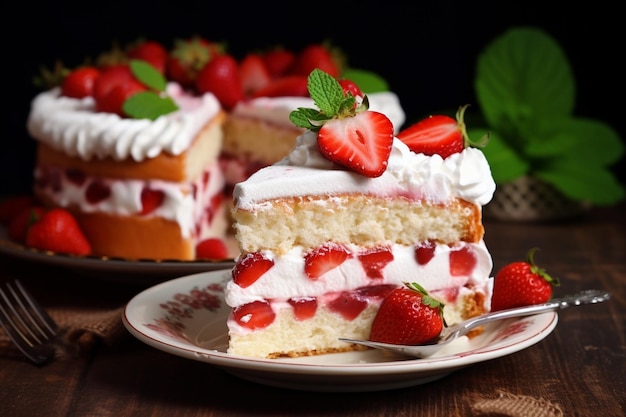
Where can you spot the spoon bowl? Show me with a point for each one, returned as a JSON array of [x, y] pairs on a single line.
[[449, 334]]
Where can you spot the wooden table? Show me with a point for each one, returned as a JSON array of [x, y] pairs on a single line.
[[579, 368]]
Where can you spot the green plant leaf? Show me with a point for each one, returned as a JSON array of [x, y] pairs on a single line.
[[148, 105], [589, 141], [593, 184], [325, 91], [506, 165], [521, 76], [369, 82], [148, 75]]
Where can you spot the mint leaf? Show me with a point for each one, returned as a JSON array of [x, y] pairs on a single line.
[[148, 75], [369, 82], [522, 76], [593, 184], [148, 105], [325, 91], [305, 118]]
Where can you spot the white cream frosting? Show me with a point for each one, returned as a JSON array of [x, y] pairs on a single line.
[[73, 127], [276, 110], [306, 172]]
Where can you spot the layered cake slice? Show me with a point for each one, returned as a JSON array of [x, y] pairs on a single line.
[[350, 214], [140, 188]]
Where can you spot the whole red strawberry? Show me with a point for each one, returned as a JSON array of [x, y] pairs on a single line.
[[80, 82], [439, 134], [220, 76], [58, 231], [408, 316], [520, 284], [152, 52], [212, 248]]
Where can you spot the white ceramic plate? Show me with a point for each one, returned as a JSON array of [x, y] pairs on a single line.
[[143, 271], [187, 317]]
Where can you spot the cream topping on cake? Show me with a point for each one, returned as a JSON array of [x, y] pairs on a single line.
[[305, 171], [276, 110], [74, 127]]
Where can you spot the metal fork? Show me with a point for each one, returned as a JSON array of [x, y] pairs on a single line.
[[27, 324]]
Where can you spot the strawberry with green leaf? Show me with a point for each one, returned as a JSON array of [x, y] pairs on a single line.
[[521, 284], [408, 316], [439, 134], [348, 133]]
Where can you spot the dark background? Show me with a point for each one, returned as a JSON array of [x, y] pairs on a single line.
[[426, 51]]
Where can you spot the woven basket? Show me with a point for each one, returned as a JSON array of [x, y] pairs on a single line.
[[530, 199]]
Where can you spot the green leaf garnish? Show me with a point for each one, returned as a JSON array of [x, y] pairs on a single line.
[[148, 75], [526, 92], [328, 96], [148, 105]]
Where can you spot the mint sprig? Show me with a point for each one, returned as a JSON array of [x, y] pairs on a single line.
[[526, 92], [328, 96], [148, 104]]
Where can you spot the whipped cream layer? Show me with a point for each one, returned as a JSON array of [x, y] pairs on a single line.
[[74, 127], [305, 171], [286, 279], [276, 110], [184, 203]]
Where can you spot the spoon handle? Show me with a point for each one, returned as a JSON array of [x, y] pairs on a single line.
[[583, 297]]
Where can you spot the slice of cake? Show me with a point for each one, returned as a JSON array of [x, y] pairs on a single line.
[[139, 188], [350, 214]]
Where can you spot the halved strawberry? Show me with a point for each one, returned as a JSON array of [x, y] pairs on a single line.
[[250, 268], [348, 133], [348, 304], [375, 260], [424, 252], [439, 134], [323, 259], [254, 315], [221, 77], [462, 261], [253, 73], [362, 143], [303, 307], [150, 200], [80, 82]]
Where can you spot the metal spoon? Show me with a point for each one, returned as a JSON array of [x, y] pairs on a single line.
[[451, 333]]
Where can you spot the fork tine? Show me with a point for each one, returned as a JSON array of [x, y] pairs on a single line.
[[31, 333]]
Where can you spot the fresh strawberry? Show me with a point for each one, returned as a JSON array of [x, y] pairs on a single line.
[[424, 252], [462, 261], [408, 316], [212, 248], [188, 57], [303, 307], [278, 61], [113, 101], [349, 304], [151, 200], [152, 52], [58, 231], [250, 267], [323, 259], [12, 206], [253, 73], [80, 82], [221, 77], [439, 134], [522, 283], [19, 224], [348, 135], [351, 87], [315, 56], [97, 191], [288, 86], [109, 78], [375, 260], [254, 315]]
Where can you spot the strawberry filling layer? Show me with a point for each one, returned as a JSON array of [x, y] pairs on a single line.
[[192, 205], [347, 279]]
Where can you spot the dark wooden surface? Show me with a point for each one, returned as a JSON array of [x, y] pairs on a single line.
[[580, 366]]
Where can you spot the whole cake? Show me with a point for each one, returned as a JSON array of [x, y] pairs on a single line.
[[349, 215], [140, 188]]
